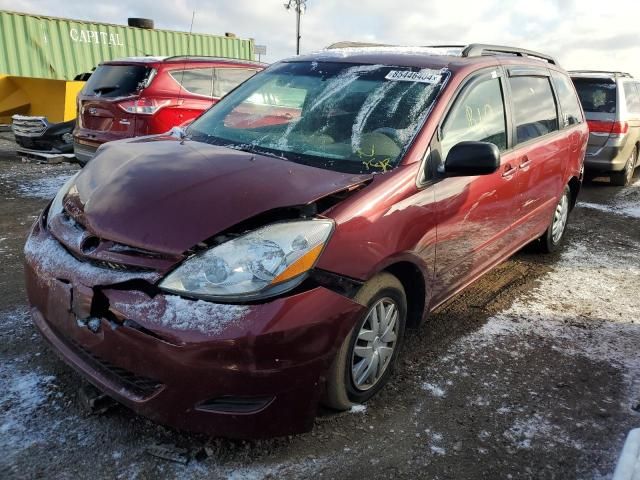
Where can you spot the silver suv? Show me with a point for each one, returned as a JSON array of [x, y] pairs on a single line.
[[611, 102]]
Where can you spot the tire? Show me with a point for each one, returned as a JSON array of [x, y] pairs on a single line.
[[552, 238], [343, 388], [146, 23], [625, 177]]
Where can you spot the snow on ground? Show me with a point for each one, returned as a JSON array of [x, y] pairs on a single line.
[[43, 187], [586, 307], [435, 390], [24, 392], [625, 202], [628, 209]]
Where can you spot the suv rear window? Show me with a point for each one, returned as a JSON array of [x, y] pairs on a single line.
[[117, 80], [596, 94]]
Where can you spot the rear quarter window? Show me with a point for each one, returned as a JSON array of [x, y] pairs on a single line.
[[534, 107], [569, 102], [598, 95], [198, 81], [226, 79], [631, 96]]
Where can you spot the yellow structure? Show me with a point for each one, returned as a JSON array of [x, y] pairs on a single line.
[[54, 99]]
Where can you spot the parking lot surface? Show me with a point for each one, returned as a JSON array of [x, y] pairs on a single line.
[[533, 372]]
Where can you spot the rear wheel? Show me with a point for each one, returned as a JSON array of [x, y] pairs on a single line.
[[365, 361], [552, 238], [625, 177]]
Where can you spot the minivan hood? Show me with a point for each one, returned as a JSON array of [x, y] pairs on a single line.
[[165, 195]]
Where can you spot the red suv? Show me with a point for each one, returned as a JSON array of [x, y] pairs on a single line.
[[149, 95], [316, 211]]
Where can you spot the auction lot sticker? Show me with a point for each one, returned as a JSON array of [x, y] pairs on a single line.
[[425, 75]]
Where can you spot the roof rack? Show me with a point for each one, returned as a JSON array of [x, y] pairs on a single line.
[[602, 72], [349, 44], [204, 58], [471, 50], [479, 49]]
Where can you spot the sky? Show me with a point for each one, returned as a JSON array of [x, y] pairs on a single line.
[[581, 34]]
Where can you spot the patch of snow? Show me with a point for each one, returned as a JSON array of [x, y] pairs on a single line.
[[23, 392], [626, 202], [14, 322], [587, 306], [50, 259], [524, 432], [435, 390], [398, 50], [360, 408], [178, 313], [438, 450], [43, 187], [627, 209]]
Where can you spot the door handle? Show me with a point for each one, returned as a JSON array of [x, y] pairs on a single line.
[[525, 162], [508, 171]]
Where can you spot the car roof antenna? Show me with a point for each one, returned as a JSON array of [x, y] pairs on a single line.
[[186, 58]]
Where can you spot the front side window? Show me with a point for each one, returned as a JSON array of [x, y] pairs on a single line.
[[338, 116], [571, 112], [631, 97], [534, 107], [478, 115], [226, 79]]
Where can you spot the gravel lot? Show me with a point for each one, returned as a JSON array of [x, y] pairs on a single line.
[[533, 372]]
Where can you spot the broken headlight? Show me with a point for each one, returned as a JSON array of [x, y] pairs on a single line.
[[259, 264], [56, 206]]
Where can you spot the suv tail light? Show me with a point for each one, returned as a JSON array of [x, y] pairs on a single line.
[[608, 128], [148, 106]]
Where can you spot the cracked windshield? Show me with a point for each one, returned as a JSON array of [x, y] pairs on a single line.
[[344, 117]]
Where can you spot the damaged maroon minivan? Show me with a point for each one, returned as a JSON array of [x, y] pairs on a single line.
[[315, 212]]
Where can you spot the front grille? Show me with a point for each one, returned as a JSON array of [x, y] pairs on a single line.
[[28, 126], [137, 384], [73, 235]]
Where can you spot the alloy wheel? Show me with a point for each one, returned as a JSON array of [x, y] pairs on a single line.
[[375, 344]]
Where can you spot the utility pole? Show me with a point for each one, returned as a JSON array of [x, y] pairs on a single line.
[[299, 6]]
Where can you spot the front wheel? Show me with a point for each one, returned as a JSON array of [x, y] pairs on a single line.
[[551, 239], [366, 358]]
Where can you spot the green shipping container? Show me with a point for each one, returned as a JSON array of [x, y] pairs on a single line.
[[60, 48]]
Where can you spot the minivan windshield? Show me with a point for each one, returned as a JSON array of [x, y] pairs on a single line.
[[597, 95], [116, 80], [338, 116]]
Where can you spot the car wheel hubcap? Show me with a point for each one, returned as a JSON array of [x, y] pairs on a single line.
[[375, 344], [560, 218]]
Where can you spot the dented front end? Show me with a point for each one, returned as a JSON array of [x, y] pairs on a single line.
[[241, 370]]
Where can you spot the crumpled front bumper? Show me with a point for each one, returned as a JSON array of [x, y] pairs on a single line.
[[229, 370]]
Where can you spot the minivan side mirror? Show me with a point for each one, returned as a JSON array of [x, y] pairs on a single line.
[[472, 158]]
